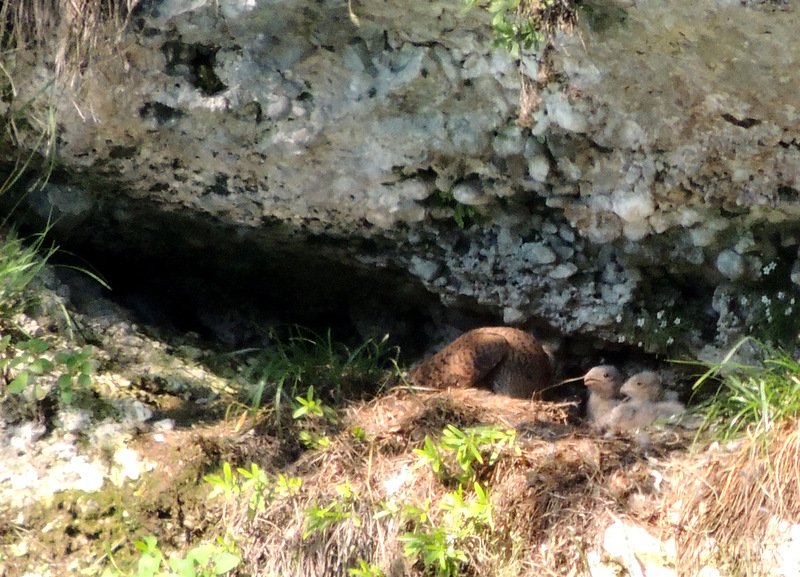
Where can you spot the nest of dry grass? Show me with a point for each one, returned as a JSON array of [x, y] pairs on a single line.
[[735, 500], [551, 493]]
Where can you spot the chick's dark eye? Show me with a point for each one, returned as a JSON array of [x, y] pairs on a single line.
[[606, 375]]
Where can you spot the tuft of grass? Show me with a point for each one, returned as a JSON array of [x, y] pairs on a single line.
[[20, 262], [738, 494], [753, 396], [306, 371], [738, 501], [70, 29]]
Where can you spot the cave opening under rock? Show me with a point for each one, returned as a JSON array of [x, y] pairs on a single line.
[[233, 291], [230, 284]]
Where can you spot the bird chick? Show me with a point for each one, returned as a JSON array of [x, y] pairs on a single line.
[[644, 405], [603, 382], [643, 387]]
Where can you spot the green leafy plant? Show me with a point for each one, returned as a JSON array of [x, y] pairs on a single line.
[[365, 569], [440, 533], [429, 454], [224, 484], [310, 406], [464, 215], [525, 24], [436, 549], [207, 560], [287, 485], [254, 483], [314, 441], [440, 545], [320, 518], [78, 369], [477, 511], [27, 361], [466, 447]]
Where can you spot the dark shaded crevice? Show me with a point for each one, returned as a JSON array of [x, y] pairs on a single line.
[[231, 285], [236, 294], [195, 63], [741, 122], [181, 271]]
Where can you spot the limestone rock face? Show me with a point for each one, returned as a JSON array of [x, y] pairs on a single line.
[[653, 202]]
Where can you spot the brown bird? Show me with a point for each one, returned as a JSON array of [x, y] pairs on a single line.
[[603, 382], [505, 360]]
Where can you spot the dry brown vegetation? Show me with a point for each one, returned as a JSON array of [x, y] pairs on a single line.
[[69, 29], [552, 492], [731, 503]]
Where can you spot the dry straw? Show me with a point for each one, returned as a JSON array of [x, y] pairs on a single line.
[[731, 510], [552, 492], [66, 30]]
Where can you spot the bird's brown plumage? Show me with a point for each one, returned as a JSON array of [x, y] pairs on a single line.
[[506, 360]]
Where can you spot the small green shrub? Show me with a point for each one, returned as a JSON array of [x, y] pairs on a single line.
[[253, 484], [465, 447], [343, 508], [310, 406], [436, 549], [207, 560], [464, 215], [78, 369], [440, 534], [314, 441], [28, 361], [320, 518], [525, 24], [365, 569]]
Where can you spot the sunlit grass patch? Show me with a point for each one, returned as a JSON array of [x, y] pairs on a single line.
[[754, 395], [744, 490], [19, 264], [303, 374]]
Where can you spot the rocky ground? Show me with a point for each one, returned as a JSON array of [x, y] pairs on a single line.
[[126, 457], [81, 479]]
